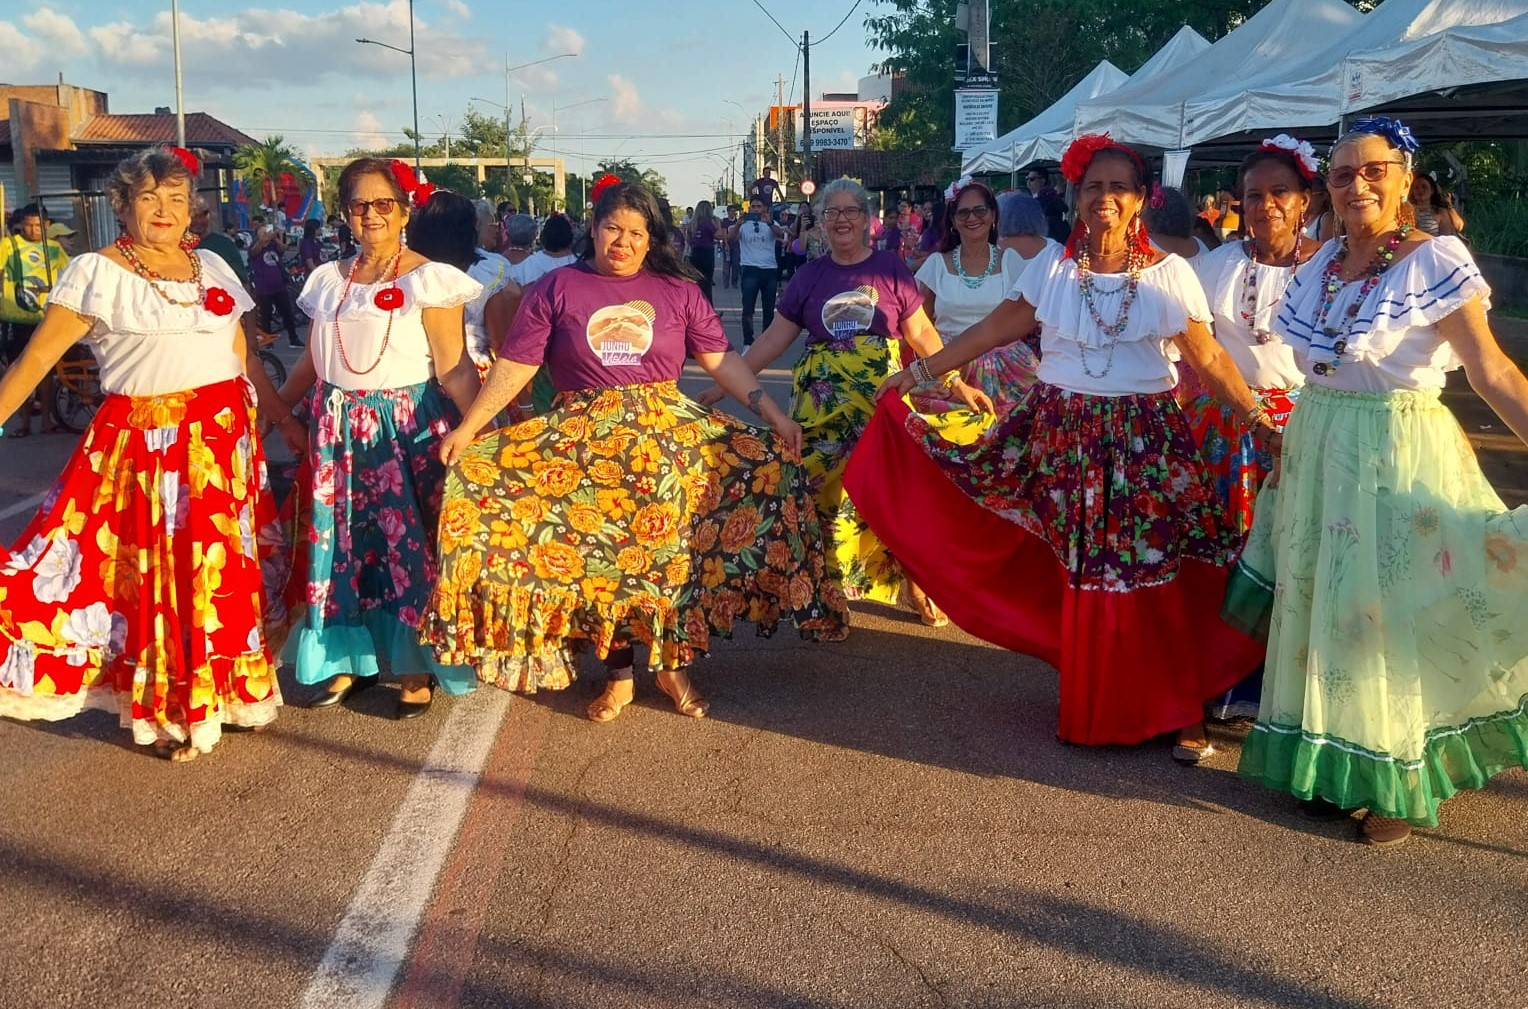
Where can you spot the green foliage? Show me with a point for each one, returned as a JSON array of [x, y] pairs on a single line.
[[457, 178], [1498, 226], [261, 165], [627, 171]]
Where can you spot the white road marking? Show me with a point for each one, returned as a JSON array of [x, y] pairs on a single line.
[[372, 941], [22, 506]]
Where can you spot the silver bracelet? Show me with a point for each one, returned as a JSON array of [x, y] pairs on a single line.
[[919, 371]]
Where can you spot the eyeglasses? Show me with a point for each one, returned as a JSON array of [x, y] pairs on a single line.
[[1372, 171], [842, 213], [383, 207], [977, 213]]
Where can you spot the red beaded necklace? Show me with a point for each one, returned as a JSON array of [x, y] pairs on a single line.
[[124, 245], [387, 300]]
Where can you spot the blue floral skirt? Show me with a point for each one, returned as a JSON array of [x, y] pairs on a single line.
[[364, 517]]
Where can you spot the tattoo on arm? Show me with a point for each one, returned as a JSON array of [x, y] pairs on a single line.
[[755, 400]]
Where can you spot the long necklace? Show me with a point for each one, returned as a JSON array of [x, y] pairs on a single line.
[[974, 282], [1248, 307], [1331, 283], [387, 335], [1134, 263], [155, 278]]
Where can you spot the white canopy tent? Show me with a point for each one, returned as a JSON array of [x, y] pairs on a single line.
[[1404, 48], [1151, 113], [1044, 138], [1011, 149]]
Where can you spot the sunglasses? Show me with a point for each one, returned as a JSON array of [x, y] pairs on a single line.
[[979, 213], [385, 206], [1372, 171]]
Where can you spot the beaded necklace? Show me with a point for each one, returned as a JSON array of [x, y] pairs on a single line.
[[155, 278], [1338, 339], [1134, 263], [974, 282], [1247, 306], [390, 304]]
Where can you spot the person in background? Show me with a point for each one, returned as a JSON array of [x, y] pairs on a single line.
[[756, 235], [1170, 223], [309, 252], [343, 236], [67, 238], [1022, 231], [216, 242], [29, 267], [1208, 210], [1051, 202], [1320, 222], [730, 268], [1433, 207], [1229, 224], [934, 228], [765, 187], [701, 233], [269, 277], [519, 242]]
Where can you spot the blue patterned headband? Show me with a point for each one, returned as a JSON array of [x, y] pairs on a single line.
[[1393, 130]]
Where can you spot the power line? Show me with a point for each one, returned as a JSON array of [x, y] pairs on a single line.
[[777, 24], [840, 24]]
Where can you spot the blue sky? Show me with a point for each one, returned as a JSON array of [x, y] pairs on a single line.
[[667, 69]]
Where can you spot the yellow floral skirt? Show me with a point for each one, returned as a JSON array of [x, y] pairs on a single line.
[[628, 513]]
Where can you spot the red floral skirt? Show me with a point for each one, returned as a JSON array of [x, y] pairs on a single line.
[[1237, 464], [139, 586], [1080, 530]]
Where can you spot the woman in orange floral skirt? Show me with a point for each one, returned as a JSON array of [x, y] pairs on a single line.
[[629, 512], [138, 586]]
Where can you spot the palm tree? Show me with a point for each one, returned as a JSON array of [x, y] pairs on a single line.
[[264, 164]]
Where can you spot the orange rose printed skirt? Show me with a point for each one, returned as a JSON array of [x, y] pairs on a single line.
[[625, 513], [1081, 530], [139, 585]]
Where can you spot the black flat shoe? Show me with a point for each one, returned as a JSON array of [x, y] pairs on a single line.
[[333, 698], [415, 709], [1322, 811]]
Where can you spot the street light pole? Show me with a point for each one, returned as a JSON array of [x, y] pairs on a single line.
[[413, 75], [180, 104], [587, 101]]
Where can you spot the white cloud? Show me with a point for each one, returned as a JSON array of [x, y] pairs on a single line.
[[62, 36], [627, 102], [368, 130], [22, 53], [458, 8], [266, 46], [562, 40]]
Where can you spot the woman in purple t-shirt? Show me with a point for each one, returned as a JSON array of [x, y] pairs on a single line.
[[628, 512], [855, 304]]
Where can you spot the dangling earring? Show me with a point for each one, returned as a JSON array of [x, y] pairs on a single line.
[[189, 241]]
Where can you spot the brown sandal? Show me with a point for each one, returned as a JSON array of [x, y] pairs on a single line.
[[1383, 831], [175, 753], [609, 705], [687, 701]]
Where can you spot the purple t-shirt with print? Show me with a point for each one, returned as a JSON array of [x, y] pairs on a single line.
[[835, 303], [595, 332]]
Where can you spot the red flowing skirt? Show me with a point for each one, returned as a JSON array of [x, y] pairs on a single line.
[[139, 586], [1081, 530]]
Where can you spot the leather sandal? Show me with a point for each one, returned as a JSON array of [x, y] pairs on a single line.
[[1190, 754], [175, 752], [608, 705], [687, 701], [1383, 831]]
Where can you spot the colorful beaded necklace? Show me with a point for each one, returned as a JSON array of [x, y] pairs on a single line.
[[1247, 306], [155, 278], [1331, 283], [974, 282], [386, 336], [1134, 262]]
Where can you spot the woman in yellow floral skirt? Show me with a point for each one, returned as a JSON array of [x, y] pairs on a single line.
[[628, 513]]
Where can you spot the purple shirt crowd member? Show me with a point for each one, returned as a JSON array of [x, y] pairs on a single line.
[[627, 512], [856, 304], [766, 187], [270, 283]]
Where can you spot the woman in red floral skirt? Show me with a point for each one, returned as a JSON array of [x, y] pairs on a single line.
[[1082, 529], [138, 586]]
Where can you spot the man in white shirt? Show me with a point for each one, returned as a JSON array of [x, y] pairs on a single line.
[[756, 235]]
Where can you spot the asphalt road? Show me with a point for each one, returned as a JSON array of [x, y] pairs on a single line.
[[888, 822]]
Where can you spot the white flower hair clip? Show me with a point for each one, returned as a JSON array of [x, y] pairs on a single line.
[[1304, 154], [953, 193]]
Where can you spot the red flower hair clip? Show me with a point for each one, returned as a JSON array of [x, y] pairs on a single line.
[[601, 184], [191, 161], [419, 193], [218, 301], [1074, 163]]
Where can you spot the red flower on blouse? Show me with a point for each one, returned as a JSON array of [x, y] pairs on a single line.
[[218, 301], [388, 299]]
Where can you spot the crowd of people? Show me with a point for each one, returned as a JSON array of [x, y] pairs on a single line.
[[1195, 459]]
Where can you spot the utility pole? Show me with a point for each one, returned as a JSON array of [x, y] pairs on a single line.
[[180, 105], [780, 126], [806, 105]]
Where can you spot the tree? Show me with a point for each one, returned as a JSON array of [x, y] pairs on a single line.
[[627, 171], [262, 165], [457, 178]]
